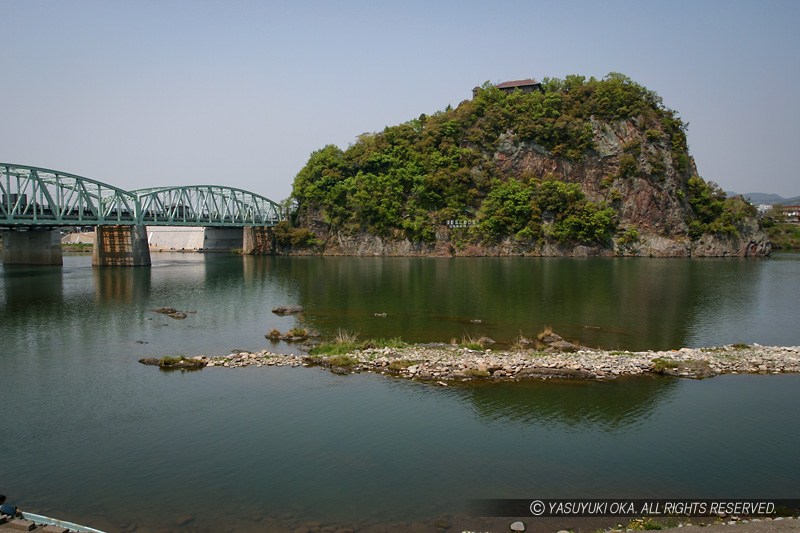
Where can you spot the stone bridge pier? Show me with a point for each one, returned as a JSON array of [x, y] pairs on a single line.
[[258, 240], [31, 246], [120, 246]]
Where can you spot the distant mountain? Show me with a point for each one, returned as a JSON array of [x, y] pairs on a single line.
[[762, 198]]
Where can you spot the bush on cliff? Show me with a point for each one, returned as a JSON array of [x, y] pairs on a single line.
[[286, 235], [549, 208], [713, 211]]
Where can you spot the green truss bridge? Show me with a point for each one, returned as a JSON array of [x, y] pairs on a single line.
[[36, 202]]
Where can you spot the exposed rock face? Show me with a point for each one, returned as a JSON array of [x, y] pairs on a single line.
[[654, 245], [652, 200], [751, 242], [650, 244]]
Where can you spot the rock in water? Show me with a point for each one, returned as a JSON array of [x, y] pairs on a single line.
[[170, 312], [287, 309], [184, 520]]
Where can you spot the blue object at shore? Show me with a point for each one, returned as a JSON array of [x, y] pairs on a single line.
[[8, 509]]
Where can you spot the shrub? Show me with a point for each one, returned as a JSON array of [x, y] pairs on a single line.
[[401, 364], [333, 348], [661, 364], [527, 235], [346, 342], [706, 199], [345, 337], [342, 360], [297, 332], [614, 196], [628, 166], [546, 332], [629, 237], [507, 210], [286, 235], [394, 342], [713, 212], [586, 223], [654, 135], [180, 362], [633, 148], [470, 343], [784, 236], [168, 360]]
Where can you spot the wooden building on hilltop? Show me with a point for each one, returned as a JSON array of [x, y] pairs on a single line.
[[526, 86]]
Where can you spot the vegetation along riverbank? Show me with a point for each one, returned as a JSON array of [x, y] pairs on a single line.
[[547, 357]]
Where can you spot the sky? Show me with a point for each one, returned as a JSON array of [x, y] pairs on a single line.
[[240, 92]]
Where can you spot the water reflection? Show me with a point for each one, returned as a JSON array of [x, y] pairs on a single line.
[[607, 406], [25, 287], [612, 303], [121, 285], [723, 297]]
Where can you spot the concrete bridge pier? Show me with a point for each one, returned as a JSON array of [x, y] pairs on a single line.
[[258, 240], [33, 246], [197, 238], [120, 246], [222, 239]]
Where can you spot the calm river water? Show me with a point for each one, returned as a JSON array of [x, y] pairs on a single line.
[[91, 435]]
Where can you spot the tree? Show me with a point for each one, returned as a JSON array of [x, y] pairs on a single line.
[[508, 208]]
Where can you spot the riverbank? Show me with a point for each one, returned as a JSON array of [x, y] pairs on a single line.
[[443, 363], [755, 525]]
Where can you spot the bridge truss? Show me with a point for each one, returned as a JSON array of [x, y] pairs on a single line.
[[205, 205], [33, 196]]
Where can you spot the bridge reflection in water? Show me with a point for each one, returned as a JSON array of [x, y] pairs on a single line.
[[35, 203]]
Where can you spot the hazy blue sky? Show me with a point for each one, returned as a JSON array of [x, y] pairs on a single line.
[[146, 93]]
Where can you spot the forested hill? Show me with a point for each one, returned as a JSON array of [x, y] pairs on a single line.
[[584, 166]]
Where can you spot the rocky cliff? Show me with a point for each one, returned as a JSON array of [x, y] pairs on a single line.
[[558, 173]]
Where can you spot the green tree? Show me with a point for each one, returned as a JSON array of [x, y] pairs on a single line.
[[507, 209]]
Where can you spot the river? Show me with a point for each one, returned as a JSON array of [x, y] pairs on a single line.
[[91, 435]]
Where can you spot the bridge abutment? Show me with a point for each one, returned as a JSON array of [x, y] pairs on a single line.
[[32, 247], [258, 240], [195, 238], [120, 246]]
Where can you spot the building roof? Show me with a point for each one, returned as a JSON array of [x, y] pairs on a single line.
[[517, 83]]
